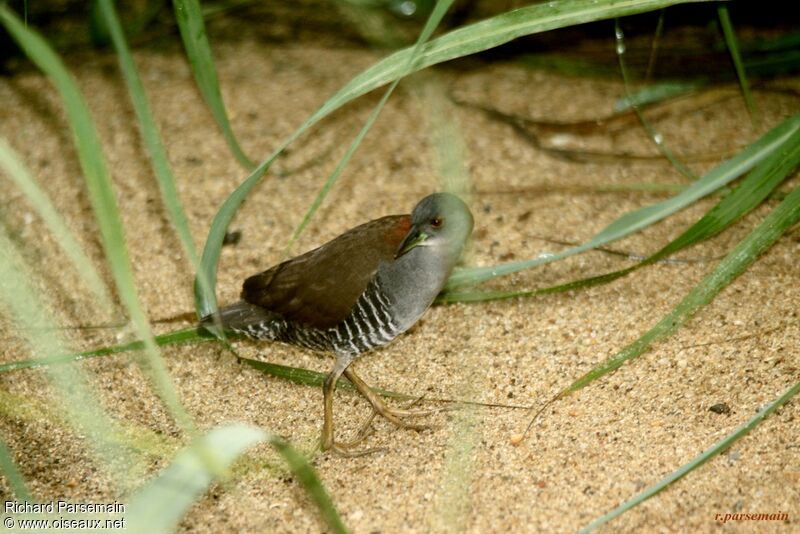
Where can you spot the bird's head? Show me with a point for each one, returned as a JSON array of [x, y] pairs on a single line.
[[440, 220]]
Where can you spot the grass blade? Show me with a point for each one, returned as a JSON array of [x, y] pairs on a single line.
[[657, 93], [193, 32], [39, 201], [307, 377], [187, 335], [751, 192], [159, 505], [298, 375], [24, 305], [488, 34], [433, 21], [707, 455], [736, 58], [102, 197], [655, 136], [641, 218], [308, 478], [745, 253], [148, 443], [464, 41], [151, 137], [13, 476]]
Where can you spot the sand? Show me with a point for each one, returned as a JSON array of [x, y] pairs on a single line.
[[586, 453]]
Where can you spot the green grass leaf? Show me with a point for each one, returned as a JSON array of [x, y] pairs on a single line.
[[736, 58], [130, 436], [657, 93], [753, 190], [718, 177], [187, 335], [458, 43], [307, 377], [707, 455], [298, 375], [193, 32], [162, 502], [735, 263], [152, 139], [308, 478], [433, 21], [655, 136], [488, 34], [102, 197], [24, 304], [14, 478], [39, 201]]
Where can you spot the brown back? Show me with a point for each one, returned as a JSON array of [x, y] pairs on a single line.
[[320, 287]]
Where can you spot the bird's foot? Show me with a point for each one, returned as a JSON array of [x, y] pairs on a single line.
[[348, 449], [396, 415], [341, 449], [393, 415]]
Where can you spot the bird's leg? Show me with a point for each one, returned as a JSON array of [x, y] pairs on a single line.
[[328, 441], [391, 414]]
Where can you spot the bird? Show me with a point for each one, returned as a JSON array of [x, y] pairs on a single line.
[[356, 293]]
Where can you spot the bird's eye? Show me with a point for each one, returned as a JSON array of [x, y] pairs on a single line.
[[437, 222]]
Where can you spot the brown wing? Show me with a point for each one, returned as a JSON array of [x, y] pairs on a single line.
[[320, 287]]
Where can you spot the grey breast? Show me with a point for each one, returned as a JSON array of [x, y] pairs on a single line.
[[370, 323]]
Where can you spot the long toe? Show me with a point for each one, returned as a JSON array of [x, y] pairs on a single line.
[[403, 412], [395, 416], [366, 429], [348, 449]]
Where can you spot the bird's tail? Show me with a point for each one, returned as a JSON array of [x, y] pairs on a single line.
[[240, 317]]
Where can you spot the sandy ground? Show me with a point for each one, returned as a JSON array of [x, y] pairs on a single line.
[[585, 455]]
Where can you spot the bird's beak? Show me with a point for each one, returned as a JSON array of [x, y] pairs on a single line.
[[413, 239]]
